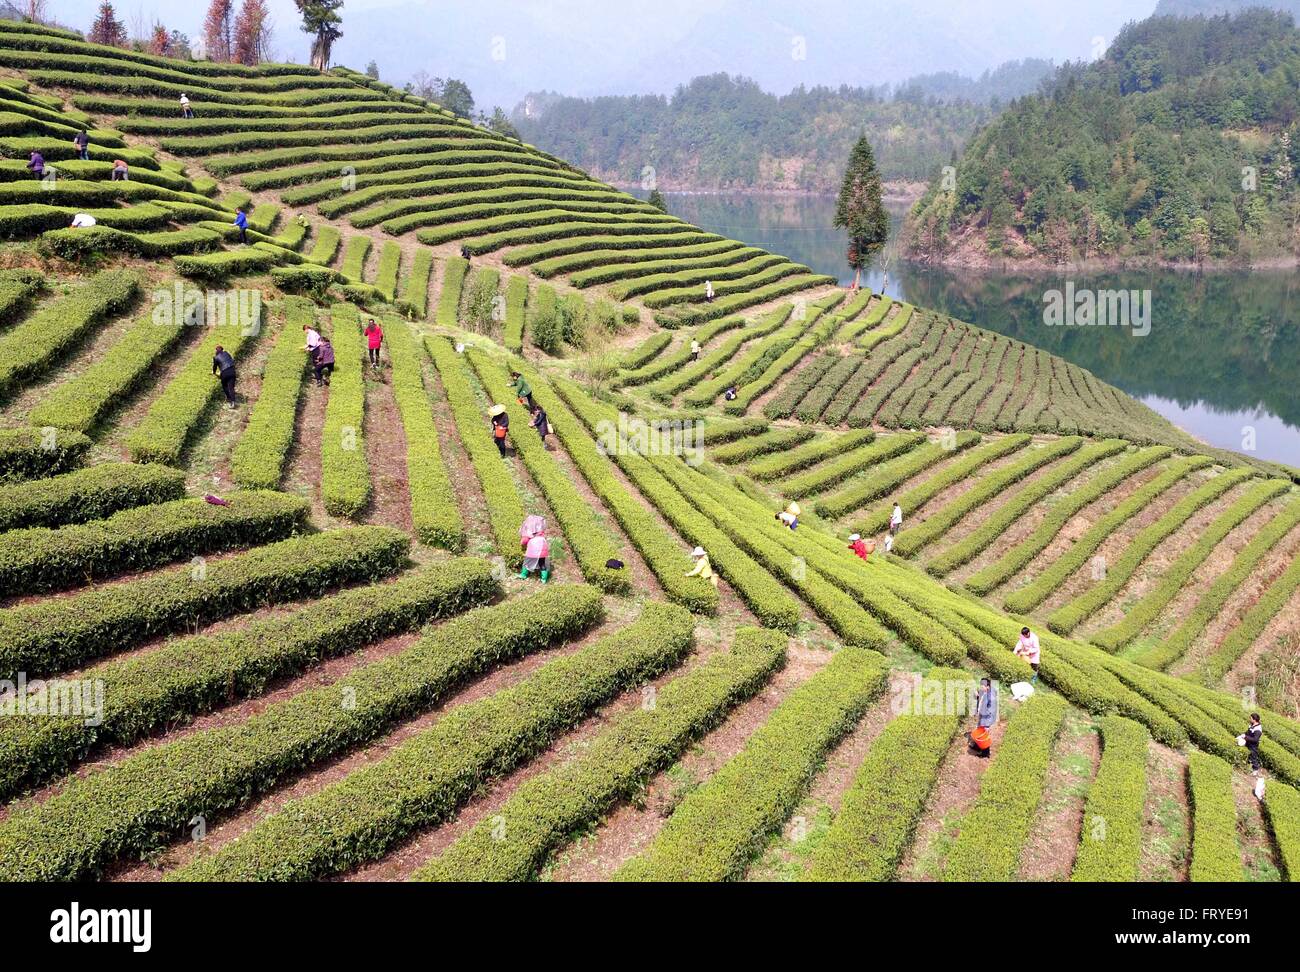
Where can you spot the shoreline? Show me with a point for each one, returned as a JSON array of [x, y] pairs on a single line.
[[897, 193], [1038, 267]]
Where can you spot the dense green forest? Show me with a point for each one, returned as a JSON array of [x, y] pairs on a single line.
[[723, 132], [1213, 8], [1180, 144]]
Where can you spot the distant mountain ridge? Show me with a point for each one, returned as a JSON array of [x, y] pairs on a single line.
[[724, 132]]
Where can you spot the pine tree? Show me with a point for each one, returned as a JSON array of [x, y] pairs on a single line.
[[320, 18], [107, 29], [500, 123], [251, 31], [372, 71], [217, 30], [657, 200], [454, 95], [178, 45], [859, 210]]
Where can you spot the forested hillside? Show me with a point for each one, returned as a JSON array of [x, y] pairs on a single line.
[[1179, 145], [723, 132], [1214, 8]]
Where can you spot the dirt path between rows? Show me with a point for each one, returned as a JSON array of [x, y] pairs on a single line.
[[1259, 857], [1049, 853], [390, 500], [303, 469], [1166, 817], [955, 790]]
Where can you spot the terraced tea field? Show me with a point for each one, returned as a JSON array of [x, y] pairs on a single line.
[[338, 671]]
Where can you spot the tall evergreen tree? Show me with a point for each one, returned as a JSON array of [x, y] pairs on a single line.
[[372, 71], [454, 95], [657, 200], [860, 211], [107, 29], [500, 123], [178, 45], [321, 19]]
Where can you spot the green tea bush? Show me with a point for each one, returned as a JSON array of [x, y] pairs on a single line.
[[544, 813], [719, 827], [453, 282], [1110, 841], [40, 559], [415, 293], [83, 401], [1018, 504], [880, 812], [1069, 616], [1014, 560], [1215, 853], [505, 507], [172, 420], [422, 781], [1165, 653], [263, 448], [345, 471], [994, 831], [134, 806], [1174, 577], [1026, 598], [196, 674], [435, 514], [31, 348], [92, 493], [35, 452], [58, 634]]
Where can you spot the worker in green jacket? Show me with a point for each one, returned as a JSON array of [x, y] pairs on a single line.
[[523, 391]]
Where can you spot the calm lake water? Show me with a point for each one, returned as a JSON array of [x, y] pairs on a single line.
[[1222, 358]]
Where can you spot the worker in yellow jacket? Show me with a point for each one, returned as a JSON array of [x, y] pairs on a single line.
[[702, 567]]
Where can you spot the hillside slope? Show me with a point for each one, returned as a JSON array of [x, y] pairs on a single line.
[[1179, 145], [344, 668]]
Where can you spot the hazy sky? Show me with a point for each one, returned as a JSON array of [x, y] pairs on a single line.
[[506, 48]]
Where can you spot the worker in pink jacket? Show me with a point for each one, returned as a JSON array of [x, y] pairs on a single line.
[[537, 549], [537, 557], [1027, 648], [374, 338]]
